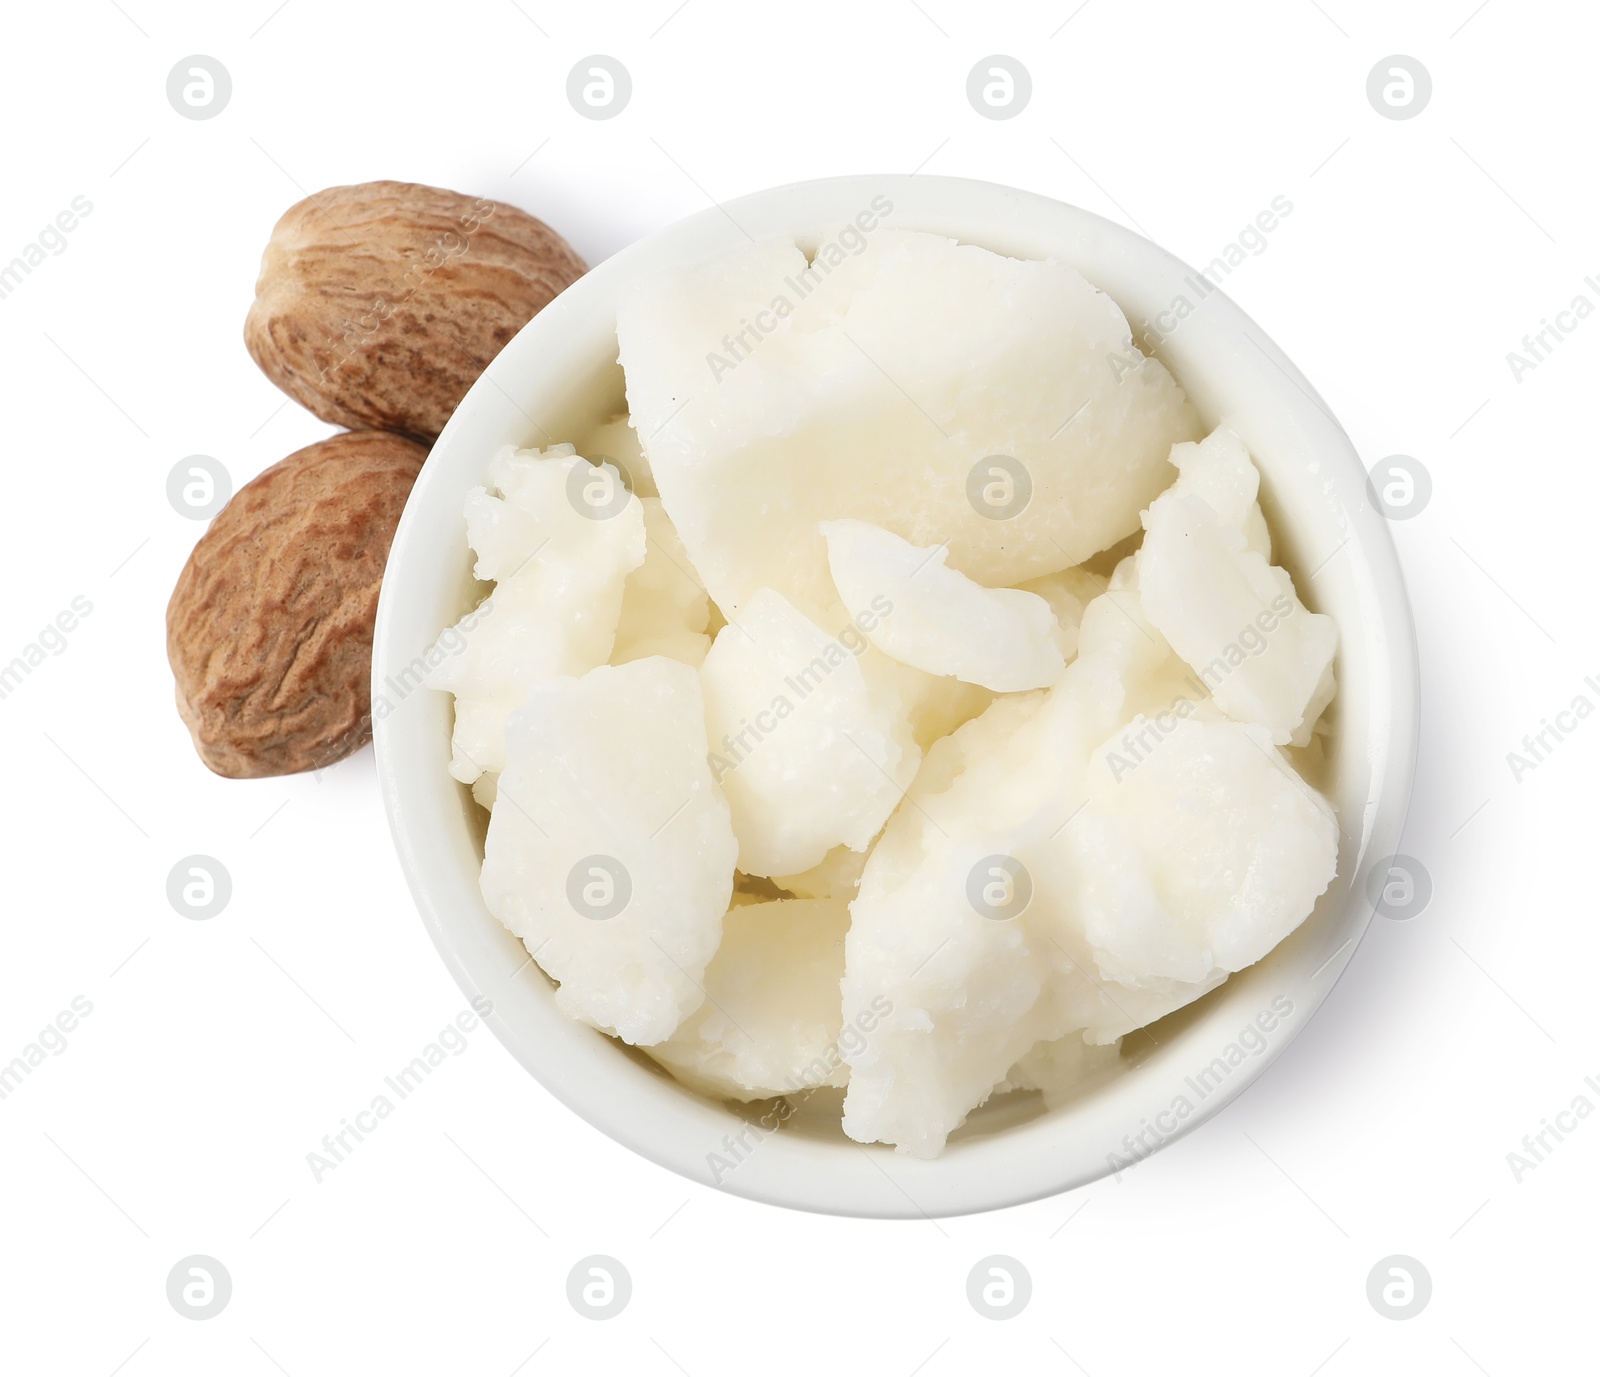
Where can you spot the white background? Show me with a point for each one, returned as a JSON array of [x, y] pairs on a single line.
[[218, 1053]]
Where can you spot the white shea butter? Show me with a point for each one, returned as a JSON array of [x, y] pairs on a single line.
[[938, 620], [559, 572], [771, 1020], [832, 751], [610, 852], [919, 384], [809, 753]]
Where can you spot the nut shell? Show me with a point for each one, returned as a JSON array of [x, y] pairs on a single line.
[[378, 305], [269, 630]]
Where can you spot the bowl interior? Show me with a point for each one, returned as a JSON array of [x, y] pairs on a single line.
[[559, 377]]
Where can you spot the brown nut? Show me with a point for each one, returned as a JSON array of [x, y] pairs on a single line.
[[269, 631], [379, 305]]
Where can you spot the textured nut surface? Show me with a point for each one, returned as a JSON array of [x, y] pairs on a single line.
[[379, 304], [269, 631]]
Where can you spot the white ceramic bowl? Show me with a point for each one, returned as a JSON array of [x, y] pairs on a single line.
[[560, 373]]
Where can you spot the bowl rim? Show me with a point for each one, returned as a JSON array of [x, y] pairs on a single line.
[[661, 1120]]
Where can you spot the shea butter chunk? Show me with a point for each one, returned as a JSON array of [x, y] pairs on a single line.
[[771, 1021], [610, 852], [810, 754], [664, 610], [559, 571], [1236, 620], [941, 391], [935, 618]]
